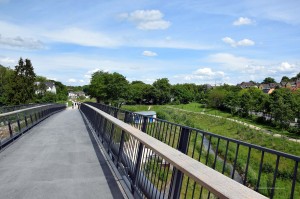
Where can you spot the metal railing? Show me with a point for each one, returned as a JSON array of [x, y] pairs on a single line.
[[5, 109], [269, 172], [151, 168], [14, 124]]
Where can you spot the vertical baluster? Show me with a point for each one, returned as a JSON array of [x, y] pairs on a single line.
[[294, 180], [225, 158], [235, 160], [260, 169], [247, 165], [274, 178]]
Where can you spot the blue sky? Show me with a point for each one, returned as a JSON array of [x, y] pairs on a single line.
[[192, 41]]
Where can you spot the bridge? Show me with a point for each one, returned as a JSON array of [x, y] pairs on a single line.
[[99, 151]]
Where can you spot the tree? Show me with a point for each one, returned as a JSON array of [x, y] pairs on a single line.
[[108, 87], [268, 80], [163, 90], [137, 93], [285, 79], [282, 105], [61, 91], [182, 93], [296, 77], [245, 102], [6, 82], [216, 98], [23, 86]]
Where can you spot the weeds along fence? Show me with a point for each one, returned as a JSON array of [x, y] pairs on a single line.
[[272, 173], [5, 109], [153, 169], [15, 123]]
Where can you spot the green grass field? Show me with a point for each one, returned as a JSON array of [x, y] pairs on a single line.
[[237, 131]]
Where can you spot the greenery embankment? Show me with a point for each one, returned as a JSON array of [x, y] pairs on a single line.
[[237, 131]]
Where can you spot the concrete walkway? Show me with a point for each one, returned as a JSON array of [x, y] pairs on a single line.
[[56, 159]]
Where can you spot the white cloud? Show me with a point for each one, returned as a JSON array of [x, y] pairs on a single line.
[[287, 67], [149, 53], [169, 43], [207, 72], [6, 61], [19, 42], [228, 40], [52, 78], [203, 75], [83, 37], [71, 80], [81, 81], [147, 19], [243, 42], [231, 61], [242, 21]]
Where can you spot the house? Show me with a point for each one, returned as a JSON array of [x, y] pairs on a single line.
[[264, 87], [247, 85], [293, 85], [74, 95], [49, 87]]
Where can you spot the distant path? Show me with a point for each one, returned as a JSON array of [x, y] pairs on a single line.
[[56, 159], [239, 122]]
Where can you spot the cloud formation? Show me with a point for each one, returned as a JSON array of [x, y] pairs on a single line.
[[83, 37], [19, 42], [287, 67], [72, 80], [242, 21], [6, 61], [148, 53], [243, 42], [203, 75], [147, 19]]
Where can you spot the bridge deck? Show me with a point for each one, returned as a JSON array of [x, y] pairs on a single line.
[[56, 159]]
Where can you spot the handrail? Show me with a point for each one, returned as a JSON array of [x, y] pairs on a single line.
[[16, 123], [21, 110], [218, 184]]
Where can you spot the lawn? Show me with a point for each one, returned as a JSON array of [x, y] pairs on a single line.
[[237, 131]]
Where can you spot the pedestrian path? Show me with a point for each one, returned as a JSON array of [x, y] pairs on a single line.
[[56, 159]]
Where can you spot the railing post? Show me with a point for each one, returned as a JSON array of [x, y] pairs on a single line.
[[177, 175], [112, 131], [119, 157], [139, 158], [31, 119], [19, 125], [26, 121], [10, 130]]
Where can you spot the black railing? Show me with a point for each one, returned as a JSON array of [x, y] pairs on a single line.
[[14, 124], [5, 109], [267, 171], [151, 168]]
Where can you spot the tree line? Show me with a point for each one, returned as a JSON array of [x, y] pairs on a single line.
[[19, 86], [113, 88], [279, 108]]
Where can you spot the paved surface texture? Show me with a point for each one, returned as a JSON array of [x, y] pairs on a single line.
[[56, 159]]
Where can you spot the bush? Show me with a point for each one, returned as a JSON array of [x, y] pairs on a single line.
[[163, 115]]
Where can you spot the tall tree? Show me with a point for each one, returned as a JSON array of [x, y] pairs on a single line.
[[283, 104], [24, 83], [6, 82], [163, 89], [285, 79], [108, 87], [268, 80]]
